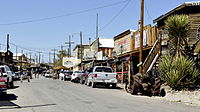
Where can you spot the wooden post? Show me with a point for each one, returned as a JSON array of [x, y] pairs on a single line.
[[122, 72], [129, 71], [141, 34]]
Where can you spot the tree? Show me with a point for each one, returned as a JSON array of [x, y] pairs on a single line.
[[60, 55], [178, 28]]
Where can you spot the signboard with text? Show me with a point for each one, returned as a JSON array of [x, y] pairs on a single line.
[[68, 61]]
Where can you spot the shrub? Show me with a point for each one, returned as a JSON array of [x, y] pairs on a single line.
[[179, 72]]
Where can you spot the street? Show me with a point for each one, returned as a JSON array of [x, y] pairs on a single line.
[[48, 95]]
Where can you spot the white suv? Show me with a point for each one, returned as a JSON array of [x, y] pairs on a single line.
[[7, 73]]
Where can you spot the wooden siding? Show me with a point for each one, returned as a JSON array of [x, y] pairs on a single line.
[[194, 25], [151, 37], [128, 41], [123, 44]]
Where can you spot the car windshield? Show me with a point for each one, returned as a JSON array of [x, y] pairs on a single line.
[[77, 72], [103, 69], [68, 72]]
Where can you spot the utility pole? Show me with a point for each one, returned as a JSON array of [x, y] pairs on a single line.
[[39, 56], [81, 50], [7, 48], [54, 57], [49, 58], [69, 43], [97, 29], [30, 57], [89, 42], [141, 35], [21, 58], [35, 58], [42, 59], [69, 46], [16, 52], [7, 43]]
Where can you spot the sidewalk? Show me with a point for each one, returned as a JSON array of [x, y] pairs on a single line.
[[186, 97]]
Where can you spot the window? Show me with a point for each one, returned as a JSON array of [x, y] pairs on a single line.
[[103, 69]]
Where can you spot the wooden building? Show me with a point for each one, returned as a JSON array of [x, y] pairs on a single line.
[[126, 51], [192, 9], [6, 57], [100, 52]]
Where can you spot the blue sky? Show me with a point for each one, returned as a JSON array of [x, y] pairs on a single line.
[[48, 34]]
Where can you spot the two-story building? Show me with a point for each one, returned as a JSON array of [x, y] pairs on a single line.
[[99, 53], [6, 57], [126, 50], [79, 51]]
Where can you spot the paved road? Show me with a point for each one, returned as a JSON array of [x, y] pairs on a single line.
[[47, 95]]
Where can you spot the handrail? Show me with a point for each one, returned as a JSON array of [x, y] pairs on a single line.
[[152, 54]]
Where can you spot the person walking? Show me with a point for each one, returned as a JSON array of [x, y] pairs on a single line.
[[21, 76], [29, 76]]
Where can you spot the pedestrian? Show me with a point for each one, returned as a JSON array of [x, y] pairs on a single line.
[[35, 74], [29, 76], [21, 77]]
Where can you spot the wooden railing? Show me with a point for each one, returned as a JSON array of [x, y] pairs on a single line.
[[155, 51]]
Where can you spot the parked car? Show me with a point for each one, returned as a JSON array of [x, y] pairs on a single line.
[[76, 76], [7, 73], [16, 76], [3, 84], [102, 75], [47, 75], [67, 75]]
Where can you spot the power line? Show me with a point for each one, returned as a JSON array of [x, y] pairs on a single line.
[[64, 15], [28, 49], [148, 14], [113, 18]]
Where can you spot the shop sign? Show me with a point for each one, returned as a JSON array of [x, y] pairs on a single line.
[[68, 61], [137, 39]]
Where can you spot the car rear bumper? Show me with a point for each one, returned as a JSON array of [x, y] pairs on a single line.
[[105, 80]]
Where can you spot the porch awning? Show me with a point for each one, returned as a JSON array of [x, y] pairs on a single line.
[[60, 67]]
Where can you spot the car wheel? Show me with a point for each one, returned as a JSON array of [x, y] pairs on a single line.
[[81, 81], [114, 85], [4, 94], [11, 84]]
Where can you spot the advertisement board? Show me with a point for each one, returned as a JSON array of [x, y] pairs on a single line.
[[68, 61]]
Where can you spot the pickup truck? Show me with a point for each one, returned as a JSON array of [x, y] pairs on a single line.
[[102, 75]]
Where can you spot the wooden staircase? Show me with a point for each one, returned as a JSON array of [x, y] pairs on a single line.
[[152, 58]]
